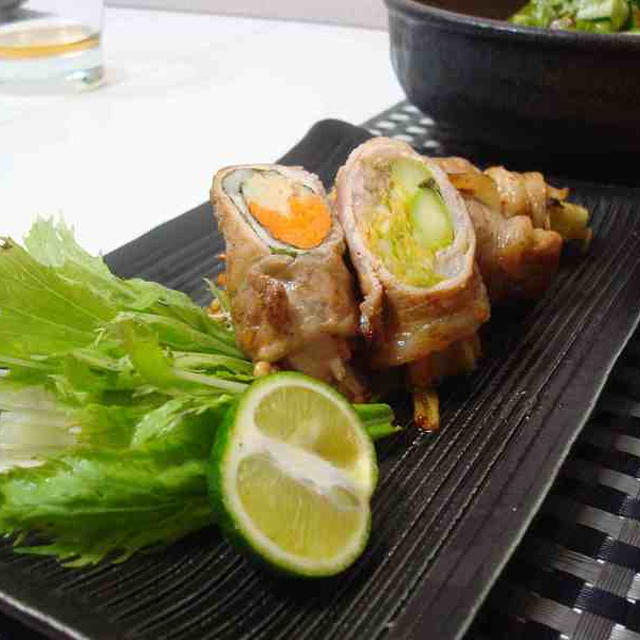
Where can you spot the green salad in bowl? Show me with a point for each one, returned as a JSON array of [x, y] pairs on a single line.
[[598, 16]]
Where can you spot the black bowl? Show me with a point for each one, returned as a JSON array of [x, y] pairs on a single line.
[[568, 100]]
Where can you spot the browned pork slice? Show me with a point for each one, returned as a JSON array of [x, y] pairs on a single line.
[[412, 245], [520, 223], [291, 295]]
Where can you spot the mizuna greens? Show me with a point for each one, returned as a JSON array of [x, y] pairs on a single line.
[[597, 16], [110, 394]]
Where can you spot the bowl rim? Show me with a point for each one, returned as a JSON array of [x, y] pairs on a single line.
[[504, 29]]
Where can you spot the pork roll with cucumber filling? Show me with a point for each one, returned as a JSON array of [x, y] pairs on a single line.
[[412, 245], [291, 295], [521, 223]]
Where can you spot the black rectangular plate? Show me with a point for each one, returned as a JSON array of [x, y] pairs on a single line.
[[450, 506]]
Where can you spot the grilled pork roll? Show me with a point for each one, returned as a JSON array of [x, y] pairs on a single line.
[[291, 294], [520, 223], [412, 245]]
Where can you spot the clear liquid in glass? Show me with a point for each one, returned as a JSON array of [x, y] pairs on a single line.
[[44, 47]]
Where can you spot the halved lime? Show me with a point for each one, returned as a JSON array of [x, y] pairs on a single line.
[[291, 476]]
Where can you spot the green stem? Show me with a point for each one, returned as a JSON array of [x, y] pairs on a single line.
[[210, 381], [377, 420]]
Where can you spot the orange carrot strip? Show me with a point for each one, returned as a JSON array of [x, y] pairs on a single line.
[[307, 224]]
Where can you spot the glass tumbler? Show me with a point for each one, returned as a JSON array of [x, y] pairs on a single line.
[[50, 42]]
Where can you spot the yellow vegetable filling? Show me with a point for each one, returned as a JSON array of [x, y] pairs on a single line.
[[409, 223]]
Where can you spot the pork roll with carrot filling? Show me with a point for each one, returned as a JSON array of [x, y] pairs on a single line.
[[521, 223], [291, 295], [413, 246]]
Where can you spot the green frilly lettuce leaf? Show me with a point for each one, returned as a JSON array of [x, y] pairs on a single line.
[[111, 392], [85, 506]]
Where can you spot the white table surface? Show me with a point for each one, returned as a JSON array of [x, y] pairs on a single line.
[[186, 94]]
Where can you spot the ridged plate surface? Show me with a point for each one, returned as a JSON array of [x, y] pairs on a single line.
[[450, 507]]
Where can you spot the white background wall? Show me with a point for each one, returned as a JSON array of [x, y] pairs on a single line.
[[365, 13]]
